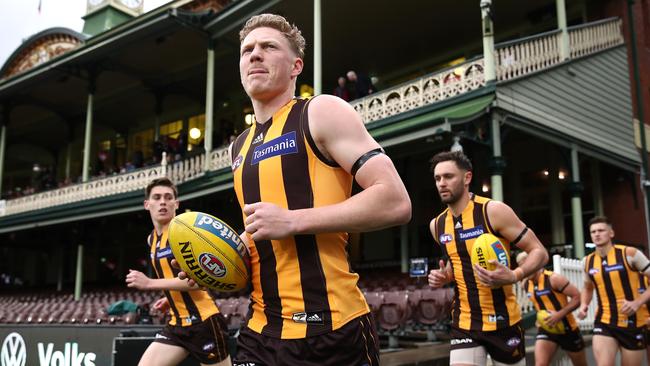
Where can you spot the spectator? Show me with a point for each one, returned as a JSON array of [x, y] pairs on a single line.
[[359, 85], [341, 90]]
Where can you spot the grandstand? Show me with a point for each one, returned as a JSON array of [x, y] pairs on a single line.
[[546, 117]]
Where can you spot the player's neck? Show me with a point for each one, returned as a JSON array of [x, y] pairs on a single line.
[[602, 250], [458, 207], [265, 108], [160, 227]]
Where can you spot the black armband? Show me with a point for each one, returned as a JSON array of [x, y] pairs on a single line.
[[364, 158], [565, 286], [521, 235], [645, 268]]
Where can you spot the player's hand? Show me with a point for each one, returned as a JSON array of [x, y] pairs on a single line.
[[554, 318], [161, 305], [266, 221], [183, 276], [137, 280], [500, 276], [438, 277], [629, 307], [582, 313]]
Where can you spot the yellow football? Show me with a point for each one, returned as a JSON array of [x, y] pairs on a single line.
[[486, 248], [557, 329], [209, 251]]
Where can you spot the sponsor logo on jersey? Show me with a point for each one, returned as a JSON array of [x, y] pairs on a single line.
[[593, 271], [445, 238], [237, 162], [472, 233], [258, 139], [493, 318], [308, 317], [283, 145], [614, 267], [544, 292], [513, 342], [461, 341], [164, 253]]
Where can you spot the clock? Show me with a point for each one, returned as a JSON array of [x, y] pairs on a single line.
[[132, 4]]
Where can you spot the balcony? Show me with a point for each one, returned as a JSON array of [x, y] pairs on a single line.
[[514, 60]]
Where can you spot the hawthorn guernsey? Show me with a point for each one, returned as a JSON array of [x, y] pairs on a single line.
[[209, 251]]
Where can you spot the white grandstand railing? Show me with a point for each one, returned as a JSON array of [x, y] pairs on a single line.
[[522, 298], [525, 56], [426, 90], [513, 60]]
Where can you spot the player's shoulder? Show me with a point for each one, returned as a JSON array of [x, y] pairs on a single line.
[[329, 108], [629, 250]]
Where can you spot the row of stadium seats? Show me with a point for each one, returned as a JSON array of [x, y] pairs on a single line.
[[405, 309], [409, 309]]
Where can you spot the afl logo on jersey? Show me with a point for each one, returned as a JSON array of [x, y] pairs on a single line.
[[445, 238], [212, 265], [237, 162]]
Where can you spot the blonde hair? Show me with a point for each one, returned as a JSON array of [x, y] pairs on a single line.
[[279, 23]]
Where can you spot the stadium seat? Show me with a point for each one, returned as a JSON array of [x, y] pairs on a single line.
[[393, 312], [429, 306], [375, 300]]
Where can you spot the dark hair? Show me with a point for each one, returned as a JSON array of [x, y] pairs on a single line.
[[164, 182], [600, 220], [461, 160]]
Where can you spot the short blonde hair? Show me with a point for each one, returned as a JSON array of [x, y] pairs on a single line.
[[279, 23]]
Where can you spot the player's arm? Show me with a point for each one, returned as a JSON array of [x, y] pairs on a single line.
[[139, 280], [508, 225], [562, 285], [586, 294], [639, 262], [341, 136], [443, 275]]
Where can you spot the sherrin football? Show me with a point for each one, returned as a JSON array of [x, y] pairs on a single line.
[[486, 248], [557, 329], [209, 251]]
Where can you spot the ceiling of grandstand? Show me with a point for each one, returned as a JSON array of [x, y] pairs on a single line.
[[161, 56]]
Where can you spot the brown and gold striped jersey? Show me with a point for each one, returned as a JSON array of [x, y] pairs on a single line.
[[476, 307], [544, 297], [302, 285], [185, 307], [615, 281]]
